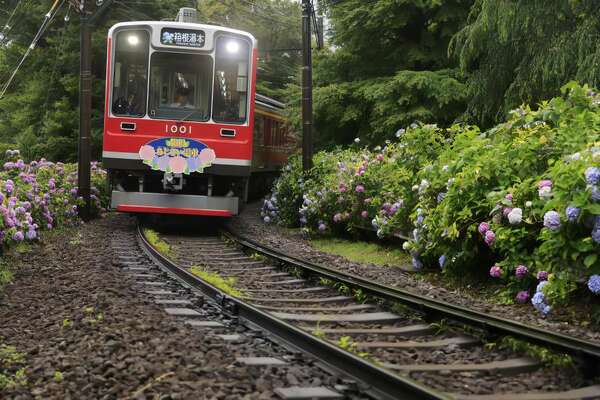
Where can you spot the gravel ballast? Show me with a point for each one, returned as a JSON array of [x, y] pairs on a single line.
[[87, 320]]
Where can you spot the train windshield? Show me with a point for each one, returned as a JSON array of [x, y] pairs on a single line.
[[130, 73], [230, 102], [180, 86]]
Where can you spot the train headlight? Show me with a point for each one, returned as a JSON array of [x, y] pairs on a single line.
[[232, 47], [133, 40]]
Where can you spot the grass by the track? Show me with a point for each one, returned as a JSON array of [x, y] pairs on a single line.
[[362, 252]]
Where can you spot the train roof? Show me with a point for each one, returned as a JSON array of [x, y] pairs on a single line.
[[269, 103], [183, 25]]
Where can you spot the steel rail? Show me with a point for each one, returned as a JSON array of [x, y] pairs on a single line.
[[380, 382], [584, 349]]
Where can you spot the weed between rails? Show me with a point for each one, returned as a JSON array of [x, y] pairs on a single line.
[[542, 354], [160, 245], [224, 284]]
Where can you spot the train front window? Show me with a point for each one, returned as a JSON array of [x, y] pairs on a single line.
[[130, 77], [230, 101], [180, 86]]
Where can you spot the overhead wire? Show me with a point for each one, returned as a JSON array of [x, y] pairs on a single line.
[[61, 52], [7, 26], [47, 18]]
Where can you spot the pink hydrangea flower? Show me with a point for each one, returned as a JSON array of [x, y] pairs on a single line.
[[483, 227], [521, 271], [364, 214], [495, 271], [360, 189], [490, 236]]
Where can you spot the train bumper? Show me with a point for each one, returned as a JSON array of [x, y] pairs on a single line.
[[180, 204]]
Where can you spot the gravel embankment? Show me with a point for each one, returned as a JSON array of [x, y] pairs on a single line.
[[250, 225], [89, 331]]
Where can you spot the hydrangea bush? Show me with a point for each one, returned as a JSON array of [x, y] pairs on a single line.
[[41, 195], [518, 204]]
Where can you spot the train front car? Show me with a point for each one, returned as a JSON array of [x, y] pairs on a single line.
[[179, 112]]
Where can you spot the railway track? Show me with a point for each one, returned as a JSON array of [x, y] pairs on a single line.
[[381, 336]]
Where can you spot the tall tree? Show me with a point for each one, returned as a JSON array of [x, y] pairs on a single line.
[[386, 68], [523, 51]]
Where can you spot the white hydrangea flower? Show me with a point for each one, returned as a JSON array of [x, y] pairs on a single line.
[[515, 216]]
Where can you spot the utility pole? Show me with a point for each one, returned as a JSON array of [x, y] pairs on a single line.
[[307, 100], [84, 151], [85, 109]]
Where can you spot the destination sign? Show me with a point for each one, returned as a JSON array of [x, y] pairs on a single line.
[[182, 37]]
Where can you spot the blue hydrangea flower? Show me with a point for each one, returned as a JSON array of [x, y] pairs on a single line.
[[592, 175], [417, 263], [594, 284], [595, 193], [572, 213], [540, 286], [596, 234], [442, 260], [552, 220], [440, 197], [538, 299]]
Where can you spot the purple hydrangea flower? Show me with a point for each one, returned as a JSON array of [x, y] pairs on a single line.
[[552, 220], [506, 211], [483, 227], [337, 217], [545, 183], [542, 276], [572, 213], [31, 234], [380, 157], [342, 188], [592, 175], [495, 272], [364, 214], [360, 189], [322, 226], [594, 284], [49, 226], [18, 236], [522, 297], [9, 186], [521, 271], [490, 236], [509, 197], [419, 220]]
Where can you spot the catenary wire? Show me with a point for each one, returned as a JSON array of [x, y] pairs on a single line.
[[48, 17]]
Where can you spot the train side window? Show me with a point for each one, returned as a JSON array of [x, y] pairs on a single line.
[[230, 99], [130, 77], [267, 132]]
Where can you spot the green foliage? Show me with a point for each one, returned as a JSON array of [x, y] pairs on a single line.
[[523, 51], [362, 252], [226, 285], [374, 109], [544, 355], [438, 185], [12, 369]]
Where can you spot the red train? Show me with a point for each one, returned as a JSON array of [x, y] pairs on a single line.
[[184, 130]]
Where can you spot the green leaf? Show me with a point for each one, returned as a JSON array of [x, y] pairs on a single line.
[[590, 260]]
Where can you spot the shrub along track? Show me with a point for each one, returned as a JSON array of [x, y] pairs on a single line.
[[396, 352]]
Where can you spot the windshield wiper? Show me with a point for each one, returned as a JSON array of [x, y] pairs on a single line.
[[187, 116]]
